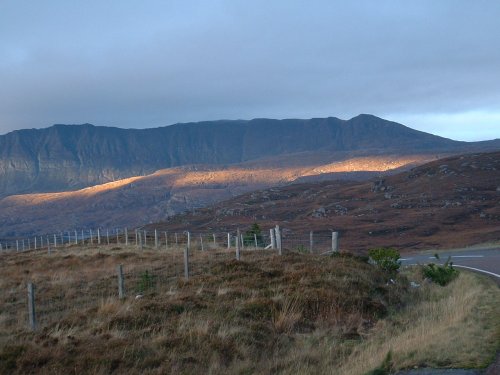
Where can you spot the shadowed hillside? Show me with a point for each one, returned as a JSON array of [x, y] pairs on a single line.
[[449, 202]]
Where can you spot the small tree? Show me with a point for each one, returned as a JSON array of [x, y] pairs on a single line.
[[249, 238], [387, 258]]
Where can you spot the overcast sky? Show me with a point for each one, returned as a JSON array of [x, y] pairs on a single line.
[[432, 65]]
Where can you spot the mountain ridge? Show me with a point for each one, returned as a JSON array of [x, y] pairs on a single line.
[[69, 157]]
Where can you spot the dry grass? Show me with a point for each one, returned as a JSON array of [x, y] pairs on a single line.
[[265, 314]]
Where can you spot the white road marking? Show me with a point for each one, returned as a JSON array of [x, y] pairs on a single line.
[[462, 256], [479, 270], [403, 259]]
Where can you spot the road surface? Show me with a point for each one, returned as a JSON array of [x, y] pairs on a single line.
[[485, 261]]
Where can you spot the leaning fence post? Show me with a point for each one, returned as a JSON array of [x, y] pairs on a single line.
[[335, 241], [278, 239], [238, 244], [186, 263], [273, 238], [31, 306], [121, 283], [311, 241]]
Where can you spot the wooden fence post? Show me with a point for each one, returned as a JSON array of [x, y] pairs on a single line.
[[311, 241], [273, 238], [121, 282], [278, 239], [186, 263], [242, 242], [238, 244], [76, 238], [145, 238], [335, 241], [31, 306], [98, 236]]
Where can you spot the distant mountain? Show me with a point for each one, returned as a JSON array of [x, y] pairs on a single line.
[[68, 157]]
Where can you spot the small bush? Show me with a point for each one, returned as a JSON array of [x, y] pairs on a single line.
[[146, 282], [440, 274], [386, 258]]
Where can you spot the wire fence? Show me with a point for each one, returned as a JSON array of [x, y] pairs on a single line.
[[45, 299]]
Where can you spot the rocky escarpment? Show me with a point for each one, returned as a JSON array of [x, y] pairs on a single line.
[[65, 157]]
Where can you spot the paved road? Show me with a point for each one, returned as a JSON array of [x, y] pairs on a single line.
[[486, 261]]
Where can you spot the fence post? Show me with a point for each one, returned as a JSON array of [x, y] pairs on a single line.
[[156, 239], [23, 245], [255, 240], [126, 237], [278, 239], [186, 263], [201, 241], [335, 241], [145, 238], [98, 236], [311, 241], [29, 244], [107, 236], [121, 283], [31, 306], [242, 242], [228, 240], [17, 245], [238, 244], [117, 236], [76, 238], [215, 243], [48, 245], [91, 237], [189, 240], [273, 238], [83, 238], [140, 240]]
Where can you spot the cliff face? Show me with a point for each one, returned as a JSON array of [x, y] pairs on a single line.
[[66, 157]]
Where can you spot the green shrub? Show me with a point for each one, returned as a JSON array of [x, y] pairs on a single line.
[[440, 274], [386, 258], [146, 282], [249, 238]]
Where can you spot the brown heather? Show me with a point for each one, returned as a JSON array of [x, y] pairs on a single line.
[[265, 314]]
